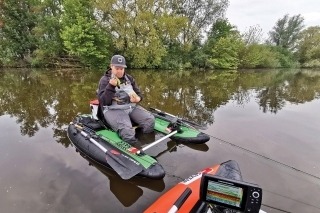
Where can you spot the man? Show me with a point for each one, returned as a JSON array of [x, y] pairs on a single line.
[[118, 96]]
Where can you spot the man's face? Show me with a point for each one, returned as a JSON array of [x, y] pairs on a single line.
[[117, 71]]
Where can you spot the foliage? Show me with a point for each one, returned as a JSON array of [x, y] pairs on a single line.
[[285, 57], [81, 34], [251, 53], [137, 28], [145, 30], [16, 39], [286, 31], [312, 63], [47, 33], [198, 57], [220, 29], [309, 47], [225, 53], [149, 33], [174, 57], [200, 14], [250, 56], [269, 58]]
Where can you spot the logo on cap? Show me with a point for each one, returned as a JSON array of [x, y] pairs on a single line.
[[117, 60]]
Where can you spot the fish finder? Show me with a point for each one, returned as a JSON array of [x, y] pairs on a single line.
[[231, 194]]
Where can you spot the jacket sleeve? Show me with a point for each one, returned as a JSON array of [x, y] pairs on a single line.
[[106, 91], [135, 87]]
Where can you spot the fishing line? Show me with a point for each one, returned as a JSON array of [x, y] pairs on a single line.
[[298, 201], [262, 156], [265, 157]]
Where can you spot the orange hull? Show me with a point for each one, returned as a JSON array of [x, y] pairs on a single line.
[[167, 200]]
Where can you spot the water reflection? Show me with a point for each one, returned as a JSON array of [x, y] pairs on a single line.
[[127, 191], [164, 147], [43, 98], [172, 146], [299, 87], [39, 99]]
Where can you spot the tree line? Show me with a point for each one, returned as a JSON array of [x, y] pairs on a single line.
[[161, 34]]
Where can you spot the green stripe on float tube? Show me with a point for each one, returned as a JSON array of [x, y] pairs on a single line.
[[189, 131], [122, 164], [112, 138], [160, 126], [170, 117]]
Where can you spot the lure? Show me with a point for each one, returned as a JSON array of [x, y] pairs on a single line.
[[118, 81]]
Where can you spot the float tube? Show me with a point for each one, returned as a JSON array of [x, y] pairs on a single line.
[[88, 137], [92, 137], [189, 133], [189, 189]]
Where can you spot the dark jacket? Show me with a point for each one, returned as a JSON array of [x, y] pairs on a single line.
[[107, 91]]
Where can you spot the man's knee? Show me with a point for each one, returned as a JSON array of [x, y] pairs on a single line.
[[148, 124], [128, 135]]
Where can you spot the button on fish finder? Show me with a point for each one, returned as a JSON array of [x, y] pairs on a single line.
[[255, 194]]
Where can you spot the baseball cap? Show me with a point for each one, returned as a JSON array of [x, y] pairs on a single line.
[[118, 60]]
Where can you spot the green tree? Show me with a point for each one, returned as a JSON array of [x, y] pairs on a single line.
[[269, 57], [285, 57], [201, 14], [17, 41], [276, 57], [250, 56], [169, 31], [219, 29], [47, 33], [146, 30], [139, 27], [286, 31], [198, 57], [200, 53], [309, 47], [251, 53], [225, 54], [81, 34]]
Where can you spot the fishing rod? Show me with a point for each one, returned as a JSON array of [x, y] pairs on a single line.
[[178, 119]]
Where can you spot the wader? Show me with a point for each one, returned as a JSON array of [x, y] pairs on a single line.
[[121, 112]]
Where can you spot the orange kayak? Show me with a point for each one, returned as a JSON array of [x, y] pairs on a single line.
[[188, 198]]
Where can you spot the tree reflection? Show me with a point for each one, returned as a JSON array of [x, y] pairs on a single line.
[[271, 99], [295, 87], [42, 99]]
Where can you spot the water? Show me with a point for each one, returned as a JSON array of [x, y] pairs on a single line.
[[266, 120]]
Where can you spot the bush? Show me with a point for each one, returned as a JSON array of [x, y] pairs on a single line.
[[312, 64], [269, 58]]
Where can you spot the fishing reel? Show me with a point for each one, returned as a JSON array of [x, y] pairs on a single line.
[[174, 124]]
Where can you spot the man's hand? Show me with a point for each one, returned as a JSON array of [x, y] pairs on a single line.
[[113, 81], [134, 98]]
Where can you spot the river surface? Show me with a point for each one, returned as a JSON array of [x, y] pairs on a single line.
[[266, 120]]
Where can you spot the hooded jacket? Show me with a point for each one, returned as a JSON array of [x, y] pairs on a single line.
[[107, 91]]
